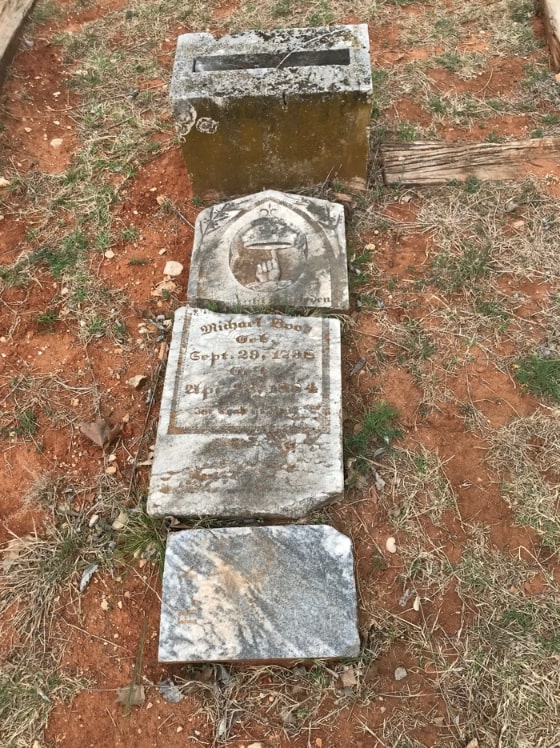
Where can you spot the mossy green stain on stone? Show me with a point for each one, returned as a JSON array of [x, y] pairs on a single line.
[[245, 130]]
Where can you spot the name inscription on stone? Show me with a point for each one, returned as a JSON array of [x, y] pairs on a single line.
[[250, 421], [251, 374]]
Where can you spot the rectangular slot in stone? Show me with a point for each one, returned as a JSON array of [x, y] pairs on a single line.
[[250, 420], [280, 108], [258, 593], [277, 61]]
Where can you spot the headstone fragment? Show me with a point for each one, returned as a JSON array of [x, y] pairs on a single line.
[[270, 250], [258, 593], [281, 107], [250, 420]]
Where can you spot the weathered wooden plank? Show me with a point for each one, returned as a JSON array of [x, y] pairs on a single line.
[[426, 162], [550, 11], [12, 16]]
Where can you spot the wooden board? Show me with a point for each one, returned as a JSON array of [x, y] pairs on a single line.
[[12, 16], [550, 11], [425, 162]]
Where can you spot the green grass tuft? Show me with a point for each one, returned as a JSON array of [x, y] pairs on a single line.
[[539, 376]]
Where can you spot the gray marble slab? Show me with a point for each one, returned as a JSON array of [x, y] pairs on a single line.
[[258, 593], [270, 249], [250, 420]]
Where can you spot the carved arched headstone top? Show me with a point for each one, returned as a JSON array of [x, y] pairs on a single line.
[[270, 249]]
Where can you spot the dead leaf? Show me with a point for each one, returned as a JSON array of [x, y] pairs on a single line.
[[131, 695], [349, 677], [87, 575], [121, 521], [137, 381], [100, 431], [164, 288], [13, 551], [170, 691]]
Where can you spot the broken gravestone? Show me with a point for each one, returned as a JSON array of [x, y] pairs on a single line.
[[270, 249], [258, 593], [277, 108], [250, 421]]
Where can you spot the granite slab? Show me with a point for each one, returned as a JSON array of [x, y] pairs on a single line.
[[258, 593], [270, 249], [250, 421]]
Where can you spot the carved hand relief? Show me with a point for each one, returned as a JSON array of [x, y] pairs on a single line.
[[269, 253], [270, 248]]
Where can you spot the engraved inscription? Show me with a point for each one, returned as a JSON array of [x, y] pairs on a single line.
[[259, 374]]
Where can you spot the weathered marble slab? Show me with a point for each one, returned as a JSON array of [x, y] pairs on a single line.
[[277, 108], [258, 593], [270, 250], [250, 421]]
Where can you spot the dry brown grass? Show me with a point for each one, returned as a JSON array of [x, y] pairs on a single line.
[[526, 452]]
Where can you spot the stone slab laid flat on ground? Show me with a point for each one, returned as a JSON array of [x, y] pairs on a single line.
[[277, 108], [250, 421], [258, 593], [270, 249]]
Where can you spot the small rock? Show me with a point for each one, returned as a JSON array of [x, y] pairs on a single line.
[[472, 743], [400, 673], [111, 470], [93, 520], [391, 544], [56, 142], [109, 254], [161, 199], [172, 268], [510, 206], [4, 182], [104, 604], [416, 603]]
